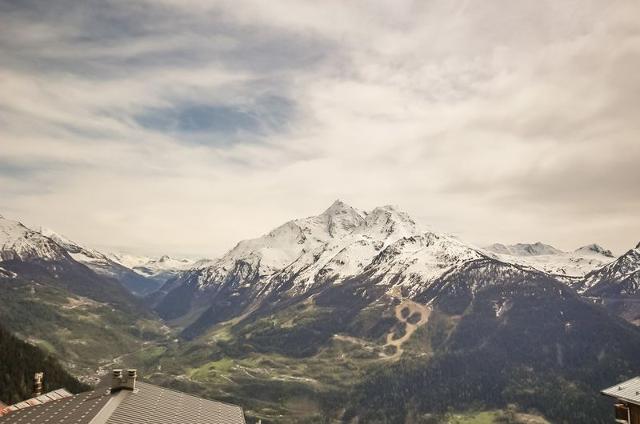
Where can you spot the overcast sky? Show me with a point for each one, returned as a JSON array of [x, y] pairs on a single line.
[[183, 126]]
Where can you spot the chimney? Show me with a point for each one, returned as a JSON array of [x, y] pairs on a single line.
[[132, 374], [37, 384], [120, 380]]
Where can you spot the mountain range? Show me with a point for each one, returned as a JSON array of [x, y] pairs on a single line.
[[316, 319], [420, 311], [384, 245]]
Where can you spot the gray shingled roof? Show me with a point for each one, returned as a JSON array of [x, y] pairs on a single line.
[[628, 391], [148, 404], [39, 400], [78, 409]]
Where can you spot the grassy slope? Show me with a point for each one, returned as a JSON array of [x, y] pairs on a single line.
[[241, 364], [81, 332], [18, 363]]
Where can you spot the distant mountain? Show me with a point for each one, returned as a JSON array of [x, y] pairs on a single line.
[[570, 267], [29, 255], [524, 249], [158, 269], [19, 361], [104, 265]]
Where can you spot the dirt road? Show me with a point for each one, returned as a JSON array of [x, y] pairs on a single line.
[[413, 308]]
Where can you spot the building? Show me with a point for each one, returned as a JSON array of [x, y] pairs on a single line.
[[124, 401], [627, 395]]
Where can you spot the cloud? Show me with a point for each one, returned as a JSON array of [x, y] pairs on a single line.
[[182, 126]]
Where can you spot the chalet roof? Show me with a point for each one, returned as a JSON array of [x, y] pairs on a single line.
[[628, 391], [39, 400], [147, 404]]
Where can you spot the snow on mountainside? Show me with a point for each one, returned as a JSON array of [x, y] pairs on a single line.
[[524, 249], [564, 265], [20, 242], [336, 244], [92, 258], [101, 264], [30, 257], [128, 260], [162, 268], [305, 255], [413, 263], [619, 278]]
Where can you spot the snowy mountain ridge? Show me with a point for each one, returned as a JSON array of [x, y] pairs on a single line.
[[619, 278], [567, 266], [339, 243], [162, 267], [344, 242], [112, 265], [383, 246], [19, 242]]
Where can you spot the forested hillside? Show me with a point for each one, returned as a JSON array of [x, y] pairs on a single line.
[[18, 363]]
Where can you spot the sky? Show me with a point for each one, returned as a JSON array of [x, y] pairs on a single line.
[[184, 126]]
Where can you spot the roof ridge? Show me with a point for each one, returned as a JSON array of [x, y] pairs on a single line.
[[188, 394]]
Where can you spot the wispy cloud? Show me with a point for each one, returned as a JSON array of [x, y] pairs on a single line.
[[184, 125]]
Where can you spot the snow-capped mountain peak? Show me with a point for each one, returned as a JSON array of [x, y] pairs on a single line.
[[339, 243], [385, 246], [338, 207], [388, 221], [619, 278], [19, 242], [341, 219], [595, 249]]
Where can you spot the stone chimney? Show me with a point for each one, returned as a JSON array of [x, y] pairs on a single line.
[[37, 384], [123, 381]]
